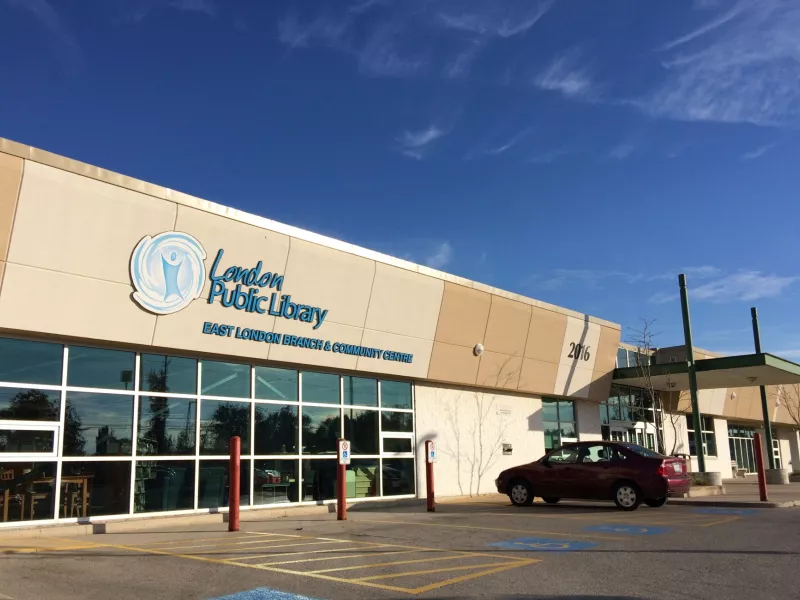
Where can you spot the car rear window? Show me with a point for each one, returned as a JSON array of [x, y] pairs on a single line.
[[642, 451]]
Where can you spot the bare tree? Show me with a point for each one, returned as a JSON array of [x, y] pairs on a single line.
[[789, 397], [670, 413], [642, 340]]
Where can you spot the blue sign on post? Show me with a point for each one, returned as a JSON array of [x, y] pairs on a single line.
[[628, 529], [533, 544]]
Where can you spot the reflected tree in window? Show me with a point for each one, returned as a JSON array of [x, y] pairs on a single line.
[[227, 420], [31, 405], [74, 439], [320, 430], [276, 429]]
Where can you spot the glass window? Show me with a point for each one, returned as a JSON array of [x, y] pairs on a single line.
[[396, 394], [168, 374], [564, 455], [276, 384], [707, 435], [558, 422], [549, 410], [99, 368], [642, 451], [166, 425], [392, 421], [397, 445], [568, 430], [322, 388], [277, 429], [94, 489], [604, 414], [20, 441], [361, 478], [622, 358], [566, 411], [27, 491], [595, 454], [361, 429], [398, 476], [321, 429], [319, 479], [98, 425], [29, 405], [360, 391], [164, 485], [219, 422], [213, 484], [225, 379], [275, 481], [552, 435], [24, 361]]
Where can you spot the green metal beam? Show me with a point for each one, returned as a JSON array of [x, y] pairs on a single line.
[[764, 403], [687, 334]]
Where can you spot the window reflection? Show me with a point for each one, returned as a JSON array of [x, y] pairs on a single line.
[[322, 388], [398, 476], [167, 374], [98, 424], [403, 422], [395, 394], [275, 481], [360, 391], [225, 379], [397, 445], [166, 425], [321, 429], [93, 489], [276, 429], [26, 440], [24, 361], [213, 491], [361, 430], [29, 405], [95, 367], [276, 384], [27, 491], [361, 478], [319, 479], [219, 422], [164, 485]]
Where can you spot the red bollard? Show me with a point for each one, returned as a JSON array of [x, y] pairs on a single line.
[[430, 458], [762, 476], [343, 459], [234, 483]]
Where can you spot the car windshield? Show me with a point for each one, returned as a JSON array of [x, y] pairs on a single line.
[[642, 451]]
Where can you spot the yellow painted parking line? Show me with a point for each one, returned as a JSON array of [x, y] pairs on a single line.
[[397, 562], [268, 547], [311, 552], [721, 521], [361, 555], [221, 536], [429, 571], [221, 544], [500, 569]]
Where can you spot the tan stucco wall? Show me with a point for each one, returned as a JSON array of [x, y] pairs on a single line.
[[67, 274]]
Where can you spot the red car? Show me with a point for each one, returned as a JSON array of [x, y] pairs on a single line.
[[625, 473]]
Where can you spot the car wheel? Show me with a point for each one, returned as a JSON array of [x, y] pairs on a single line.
[[627, 495], [657, 503], [521, 493], [552, 500]]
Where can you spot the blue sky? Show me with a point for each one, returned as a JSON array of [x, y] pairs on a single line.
[[579, 152]]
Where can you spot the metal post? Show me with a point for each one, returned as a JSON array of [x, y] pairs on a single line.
[[234, 483], [341, 492], [764, 403], [687, 334], [762, 477], [431, 501]]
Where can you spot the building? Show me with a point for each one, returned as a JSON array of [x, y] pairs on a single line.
[[141, 328]]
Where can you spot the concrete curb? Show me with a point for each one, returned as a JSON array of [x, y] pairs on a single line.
[[733, 503]]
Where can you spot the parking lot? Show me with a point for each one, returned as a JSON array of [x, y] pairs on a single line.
[[473, 548]]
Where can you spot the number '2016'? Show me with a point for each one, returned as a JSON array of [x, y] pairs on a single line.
[[579, 351]]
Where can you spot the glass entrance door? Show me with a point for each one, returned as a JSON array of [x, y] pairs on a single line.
[[776, 451], [740, 440]]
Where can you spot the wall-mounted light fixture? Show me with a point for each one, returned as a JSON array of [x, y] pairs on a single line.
[[478, 349]]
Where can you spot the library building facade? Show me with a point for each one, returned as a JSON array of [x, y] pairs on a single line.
[[142, 328]]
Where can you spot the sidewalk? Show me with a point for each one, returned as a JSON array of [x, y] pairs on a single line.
[[744, 493]]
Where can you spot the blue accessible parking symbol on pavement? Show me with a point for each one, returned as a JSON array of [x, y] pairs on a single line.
[[263, 594], [543, 545], [629, 529]]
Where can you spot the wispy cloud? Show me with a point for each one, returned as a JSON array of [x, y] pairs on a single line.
[[383, 54], [758, 152], [139, 10], [69, 51], [513, 141], [323, 30], [545, 158], [503, 19], [622, 151], [743, 286], [461, 64], [415, 144], [598, 278], [441, 256], [202, 6], [564, 76], [743, 67]]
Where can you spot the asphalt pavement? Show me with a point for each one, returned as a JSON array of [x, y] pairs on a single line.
[[482, 548]]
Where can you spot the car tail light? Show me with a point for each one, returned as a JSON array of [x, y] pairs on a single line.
[[660, 471]]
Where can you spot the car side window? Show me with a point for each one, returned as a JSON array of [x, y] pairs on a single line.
[[563, 456], [618, 456], [599, 453]]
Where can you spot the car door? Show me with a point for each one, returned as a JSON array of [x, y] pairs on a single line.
[[595, 472], [558, 476]]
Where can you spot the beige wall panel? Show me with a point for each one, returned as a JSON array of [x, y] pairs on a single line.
[[545, 335], [90, 228], [184, 330], [779, 413], [320, 358], [538, 376], [664, 355], [606, 351], [84, 307], [404, 302], [2, 270], [421, 349], [573, 381], [244, 246], [10, 178], [711, 402], [455, 364], [754, 405], [507, 329], [731, 405], [575, 374], [499, 370], [463, 317], [600, 386], [333, 280]]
